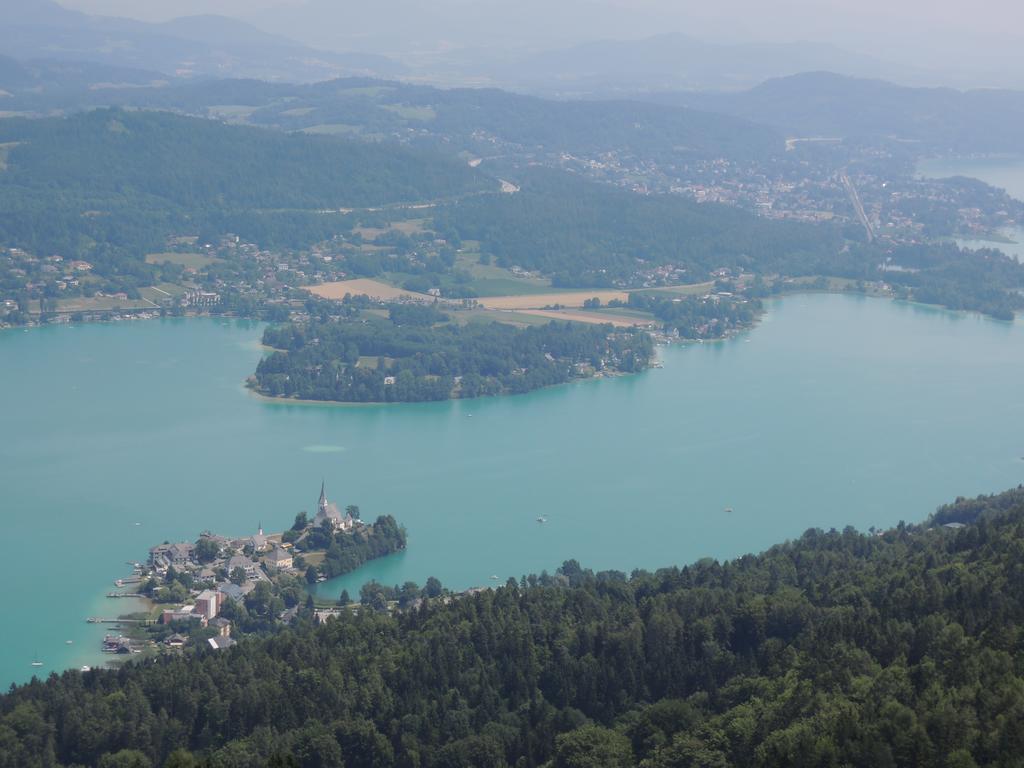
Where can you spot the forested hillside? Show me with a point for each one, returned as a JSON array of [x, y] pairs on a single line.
[[586, 234], [841, 648], [590, 234], [124, 181], [459, 119]]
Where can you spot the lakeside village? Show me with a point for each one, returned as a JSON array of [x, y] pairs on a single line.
[[216, 588]]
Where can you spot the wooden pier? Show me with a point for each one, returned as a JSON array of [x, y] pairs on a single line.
[[98, 620]]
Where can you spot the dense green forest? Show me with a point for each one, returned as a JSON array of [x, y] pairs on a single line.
[[344, 552], [412, 359], [589, 234], [986, 280], [897, 648], [119, 183]]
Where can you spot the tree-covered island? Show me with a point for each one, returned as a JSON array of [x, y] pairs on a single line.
[[419, 353]]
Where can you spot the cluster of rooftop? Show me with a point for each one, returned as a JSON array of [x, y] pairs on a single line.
[[224, 569]]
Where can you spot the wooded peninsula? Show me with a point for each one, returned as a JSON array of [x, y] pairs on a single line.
[[417, 354]]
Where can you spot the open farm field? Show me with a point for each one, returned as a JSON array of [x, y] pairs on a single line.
[[405, 227], [570, 299], [465, 317], [363, 286], [578, 316]]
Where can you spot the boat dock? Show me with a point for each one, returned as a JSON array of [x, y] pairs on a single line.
[[98, 620]]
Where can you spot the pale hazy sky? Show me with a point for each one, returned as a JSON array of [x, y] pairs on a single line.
[[982, 33]]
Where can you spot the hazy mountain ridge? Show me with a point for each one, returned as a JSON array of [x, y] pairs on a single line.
[[482, 122], [827, 104], [50, 81], [680, 61], [190, 46]]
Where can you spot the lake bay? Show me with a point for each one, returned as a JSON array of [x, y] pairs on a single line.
[[834, 411]]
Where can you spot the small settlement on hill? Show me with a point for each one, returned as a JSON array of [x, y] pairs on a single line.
[[202, 591]]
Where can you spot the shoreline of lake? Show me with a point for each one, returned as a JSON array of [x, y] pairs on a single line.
[[155, 431]]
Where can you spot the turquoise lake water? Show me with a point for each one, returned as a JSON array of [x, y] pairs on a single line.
[[835, 410]]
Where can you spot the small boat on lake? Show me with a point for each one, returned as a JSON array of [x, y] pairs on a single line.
[[542, 519]]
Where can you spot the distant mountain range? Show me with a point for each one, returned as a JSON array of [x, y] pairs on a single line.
[[673, 61], [474, 122], [204, 46], [827, 104]]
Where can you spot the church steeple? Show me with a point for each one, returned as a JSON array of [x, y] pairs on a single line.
[[322, 504]]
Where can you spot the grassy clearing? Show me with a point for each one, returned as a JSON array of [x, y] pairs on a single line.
[[195, 260], [595, 317], [406, 227], [410, 226], [470, 316], [332, 129], [101, 304], [370, 90], [231, 112], [162, 292], [509, 286], [492, 280], [373, 362], [624, 312], [409, 112], [313, 558], [696, 289], [571, 299]]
